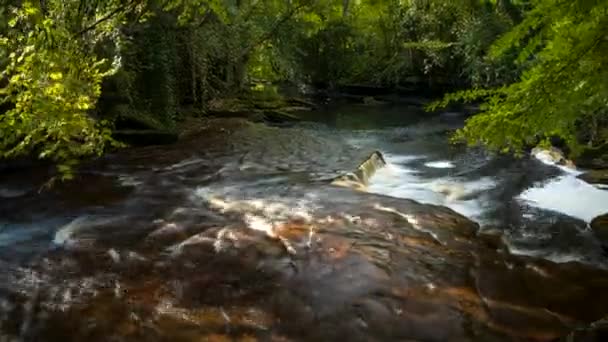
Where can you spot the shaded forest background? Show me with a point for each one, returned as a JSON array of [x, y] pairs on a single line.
[[74, 71]]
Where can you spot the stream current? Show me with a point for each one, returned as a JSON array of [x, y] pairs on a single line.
[[234, 233]]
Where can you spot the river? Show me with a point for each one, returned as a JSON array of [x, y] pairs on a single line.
[[235, 234]]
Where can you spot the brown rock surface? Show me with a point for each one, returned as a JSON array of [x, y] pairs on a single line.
[[412, 272], [600, 228], [359, 267], [595, 176]]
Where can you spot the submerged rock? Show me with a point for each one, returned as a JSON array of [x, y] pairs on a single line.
[[595, 177], [493, 238], [552, 155], [595, 332], [145, 137], [593, 158], [599, 225], [371, 101], [359, 179]]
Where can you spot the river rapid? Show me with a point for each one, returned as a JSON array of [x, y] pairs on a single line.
[[234, 233]]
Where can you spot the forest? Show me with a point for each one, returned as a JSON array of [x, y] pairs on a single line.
[[303, 170], [74, 70]]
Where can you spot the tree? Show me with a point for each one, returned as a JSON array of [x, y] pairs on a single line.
[[52, 77], [563, 89]]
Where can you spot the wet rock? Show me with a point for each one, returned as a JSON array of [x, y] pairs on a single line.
[[493, 238], [280, 116], [349, 180], [237, 264], [371, 101], [595, 177], [552, 155], [292, 109], [401, 138], [599, 225], [595, 332], [452, 190], [359, 179], [145, 137], [401, 271], [593, 158]]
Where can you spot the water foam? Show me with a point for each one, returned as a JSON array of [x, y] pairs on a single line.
[[260, 214], [129, 180], [400, 181], [410, 219], [547, 158], [558, 257], [64, 235], [440, 164], [184, 164], [568, 195], [11, 193]]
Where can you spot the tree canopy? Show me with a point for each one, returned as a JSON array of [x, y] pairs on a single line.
[[562, 50], [74, 70]]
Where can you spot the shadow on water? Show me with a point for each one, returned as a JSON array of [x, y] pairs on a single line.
[[234, 234]]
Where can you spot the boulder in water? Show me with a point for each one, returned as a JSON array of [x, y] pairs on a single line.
[[371, 101], [349, 180], [493, 238], [595, 176], [596, 331], [593, 158], [600, 228], [145, 137], [453, 191], [552, 155], [359, 179]]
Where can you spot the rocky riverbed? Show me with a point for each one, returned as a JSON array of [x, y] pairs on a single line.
[[235, 233]]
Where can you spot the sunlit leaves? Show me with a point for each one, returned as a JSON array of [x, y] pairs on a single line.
[[564, 50], [54, 80]]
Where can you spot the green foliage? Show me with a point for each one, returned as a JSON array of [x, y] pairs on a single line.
[[52, 83], [563, 51], [391, 43], [74, 68]]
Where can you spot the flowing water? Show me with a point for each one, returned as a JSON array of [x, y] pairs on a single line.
[[235, 234]]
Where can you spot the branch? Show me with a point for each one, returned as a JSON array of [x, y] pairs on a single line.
[[277, 25], [208, 15], [107, 17]]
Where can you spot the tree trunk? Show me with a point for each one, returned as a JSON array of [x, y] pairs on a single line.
[[345, 5]]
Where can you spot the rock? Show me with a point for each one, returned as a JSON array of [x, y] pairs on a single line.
[[349, 180], [300, 102], [593, 158], [453, 191], [596, 331], [360, 178], [350, 265], [552, 155], [599, 225], [291, 109], [595, 176], [493, 238], [363, 89], [371, 101], [279, 116], [145, 137]]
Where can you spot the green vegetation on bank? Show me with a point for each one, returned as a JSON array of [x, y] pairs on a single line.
[[562, 90], [75, 70]]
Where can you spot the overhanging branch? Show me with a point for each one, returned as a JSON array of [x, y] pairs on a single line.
[[107, 17]]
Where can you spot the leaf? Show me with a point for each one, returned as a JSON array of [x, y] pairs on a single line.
[[56, 76]]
